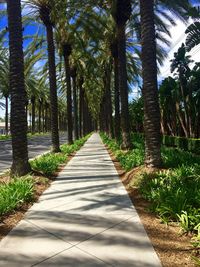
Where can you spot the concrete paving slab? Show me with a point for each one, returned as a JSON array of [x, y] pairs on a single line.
[[27, 244], [74, 228], [125, 244], [87, 215], [73, 257]]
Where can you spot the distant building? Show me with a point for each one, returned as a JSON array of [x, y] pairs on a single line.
[[3, 128]]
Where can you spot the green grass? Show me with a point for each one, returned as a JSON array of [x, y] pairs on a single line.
[[15, 193], [49, 163], [174, 193]]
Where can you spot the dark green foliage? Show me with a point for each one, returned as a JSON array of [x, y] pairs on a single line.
[[175, 195], [128, 159], [168, 140], [48, 163], [14, 194], [187, 144], [174, 157]]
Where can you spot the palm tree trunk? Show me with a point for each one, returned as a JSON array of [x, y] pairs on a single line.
[[20, 164], [53, 89], [81, 107], [114, 52], [33, 114], [108, 102], [66, 54], [40, 116], [75, 108], [123, 86], [117, 99], [150, 90], [6, 116]]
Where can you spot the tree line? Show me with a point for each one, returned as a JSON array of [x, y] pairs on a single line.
[[95, 51]]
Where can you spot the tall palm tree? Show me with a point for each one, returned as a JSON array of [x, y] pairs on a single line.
[[193, 35], [20, 164], [44, 8], [65, 49], [4, 80], [121, 11], [150, 90], [180, 63]]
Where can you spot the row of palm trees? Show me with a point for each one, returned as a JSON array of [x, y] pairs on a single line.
[[95, 40]]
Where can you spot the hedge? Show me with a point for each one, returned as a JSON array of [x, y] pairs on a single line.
[[187, 144]]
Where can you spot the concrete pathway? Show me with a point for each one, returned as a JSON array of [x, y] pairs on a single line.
[[84, 219]]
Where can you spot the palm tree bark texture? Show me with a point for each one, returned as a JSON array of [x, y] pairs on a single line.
[[20, 164], [114, 52], [53, 89], [150, 88], [45, 17], [121, 16], [66, 53], [74, 78]]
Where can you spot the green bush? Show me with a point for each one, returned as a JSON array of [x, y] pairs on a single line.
[[48, 163], [174, 194], [174, 157], [187, 144], [168, 140], [15, 193], [127, 159]]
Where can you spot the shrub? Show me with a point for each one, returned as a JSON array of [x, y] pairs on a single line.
[[174, 194], [14, 194]]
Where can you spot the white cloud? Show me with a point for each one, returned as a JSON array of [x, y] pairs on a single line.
[[178, 37]]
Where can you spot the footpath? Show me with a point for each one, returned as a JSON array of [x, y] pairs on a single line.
[[85, 219]]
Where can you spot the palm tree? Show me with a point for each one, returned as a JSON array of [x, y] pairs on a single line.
[[4, 80], [44, 8], [150, 90], [20, 164], [180, 63], [65, 49], [121, 12], [193, 35], [75, 108]]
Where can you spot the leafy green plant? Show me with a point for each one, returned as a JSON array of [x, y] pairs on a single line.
[[127, 159], [48, 163], [15, 193]]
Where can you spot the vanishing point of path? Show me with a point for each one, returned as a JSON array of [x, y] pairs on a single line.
[[36, 146], [84, 219]]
